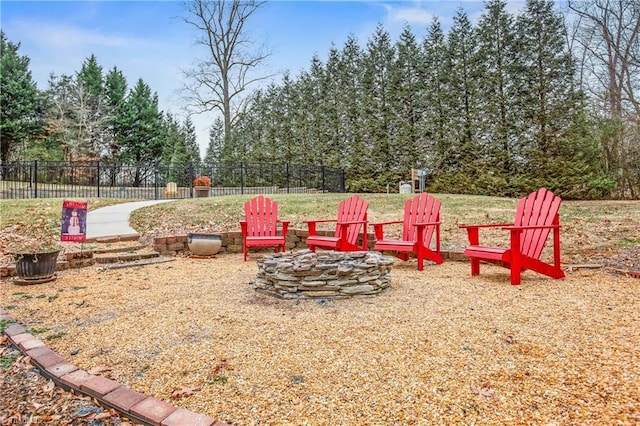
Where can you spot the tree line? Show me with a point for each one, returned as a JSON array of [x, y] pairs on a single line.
[[512, 103], [501, 107], [89, 116]]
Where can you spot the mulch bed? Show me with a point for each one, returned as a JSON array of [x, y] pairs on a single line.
[[625, 261], [439, 347]]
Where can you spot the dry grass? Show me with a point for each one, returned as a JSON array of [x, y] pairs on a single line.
[[589, 228], [440, 347]]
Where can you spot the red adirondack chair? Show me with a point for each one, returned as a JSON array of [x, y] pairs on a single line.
[[352, 219], [421, 221], [536, 216], [260, 228]]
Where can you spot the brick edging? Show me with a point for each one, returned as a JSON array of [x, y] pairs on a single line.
[[110, 393]]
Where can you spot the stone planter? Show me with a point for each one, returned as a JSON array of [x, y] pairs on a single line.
[[204, 244], [201, 191], [35, 268]]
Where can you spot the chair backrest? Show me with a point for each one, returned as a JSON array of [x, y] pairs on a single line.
[[261, 214], [538, 208], [352, 209], [419, 209]]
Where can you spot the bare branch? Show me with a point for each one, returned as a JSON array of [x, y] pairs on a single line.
[[217, 82]]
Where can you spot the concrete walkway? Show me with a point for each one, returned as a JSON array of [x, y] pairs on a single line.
[[114, 220]]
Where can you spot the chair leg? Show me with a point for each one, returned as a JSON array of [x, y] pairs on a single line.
[[420, 262], [475, 266], [515, 275]]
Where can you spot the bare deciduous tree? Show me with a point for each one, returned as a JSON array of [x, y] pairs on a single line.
[[610, 36], [217, 81]]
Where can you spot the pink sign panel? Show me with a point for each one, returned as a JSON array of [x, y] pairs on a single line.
[[74, 221]]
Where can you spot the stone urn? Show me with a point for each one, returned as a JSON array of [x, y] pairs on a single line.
[[201, 244]]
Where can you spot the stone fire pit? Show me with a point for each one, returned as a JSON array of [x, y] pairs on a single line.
[[325, 274]]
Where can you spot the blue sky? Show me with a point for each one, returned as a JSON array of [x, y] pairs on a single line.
[[148, 40]]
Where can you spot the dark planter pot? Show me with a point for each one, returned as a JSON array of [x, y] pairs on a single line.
[[34, 268], [204, 244]]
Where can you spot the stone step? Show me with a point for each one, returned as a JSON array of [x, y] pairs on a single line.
[[126, 255], [108, 248]]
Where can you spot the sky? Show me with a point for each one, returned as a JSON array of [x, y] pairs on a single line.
[[149, 39]]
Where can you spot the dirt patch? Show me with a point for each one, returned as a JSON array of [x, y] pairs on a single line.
[[438, 347]]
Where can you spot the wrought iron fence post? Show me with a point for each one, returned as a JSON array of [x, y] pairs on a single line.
[[155, 180], [191, 178], [322, 171], [98, 170], [241, 177], [288, 183], [35, 178]]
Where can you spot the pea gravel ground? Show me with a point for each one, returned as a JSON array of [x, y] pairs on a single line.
[[440, 347]]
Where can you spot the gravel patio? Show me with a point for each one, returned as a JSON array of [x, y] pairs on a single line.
[[439, 347]]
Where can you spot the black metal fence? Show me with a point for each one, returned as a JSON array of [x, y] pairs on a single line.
[[87, 179]]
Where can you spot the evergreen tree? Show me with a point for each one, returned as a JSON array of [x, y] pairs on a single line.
[[407, 108], [437, 114], [548, 106], [497, 55], [142, 144], [464, 101], [93, 113], [191, 143], [91, 77], [213, 155], [171, 135], [21, 105], [179, 164], [350, 104], [317, 98], [115, 89], [378, 167]]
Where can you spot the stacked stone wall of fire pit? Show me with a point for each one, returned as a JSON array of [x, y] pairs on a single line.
[[325, 274]]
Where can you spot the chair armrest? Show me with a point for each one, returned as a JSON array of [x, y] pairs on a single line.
[[386, 223], [243, 227], [378, 228], [525, 227], [320, 221], [473, 231], [311, 224], [487, 225]]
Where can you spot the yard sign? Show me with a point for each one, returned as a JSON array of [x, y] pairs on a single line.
[[74, 221]]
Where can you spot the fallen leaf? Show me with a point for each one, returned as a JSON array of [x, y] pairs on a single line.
[[49, 386], [507, 338], [98, 370], [184, 391], [483, 390]]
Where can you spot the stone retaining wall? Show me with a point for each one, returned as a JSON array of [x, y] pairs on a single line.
[[232, 242]]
